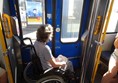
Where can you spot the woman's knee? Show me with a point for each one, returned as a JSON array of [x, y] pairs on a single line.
[[108, 75], [70, 66]]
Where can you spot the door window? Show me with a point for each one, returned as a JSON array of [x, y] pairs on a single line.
[[71, 19]]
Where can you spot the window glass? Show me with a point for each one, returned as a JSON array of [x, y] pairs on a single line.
[[113, 22], [71, 19], [32, 14]]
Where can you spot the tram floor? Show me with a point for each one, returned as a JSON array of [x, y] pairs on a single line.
[[101, 70]]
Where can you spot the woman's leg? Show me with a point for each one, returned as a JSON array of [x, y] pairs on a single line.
[[70, 72], [113, 66], [70, 66]]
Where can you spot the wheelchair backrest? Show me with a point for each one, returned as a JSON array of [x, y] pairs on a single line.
[[29, 51], [26, 53]]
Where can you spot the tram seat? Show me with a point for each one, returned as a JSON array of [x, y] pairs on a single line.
[[33, 72], [105, 55], [108, 48]]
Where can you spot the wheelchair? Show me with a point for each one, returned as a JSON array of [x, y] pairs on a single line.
[[33, 71]]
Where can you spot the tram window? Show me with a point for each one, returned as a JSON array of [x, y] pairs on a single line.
[[71, 19], [34, 12], [32, 15], [113, 23], [31, 11]]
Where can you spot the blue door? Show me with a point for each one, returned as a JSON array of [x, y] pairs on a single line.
[[69, 19]]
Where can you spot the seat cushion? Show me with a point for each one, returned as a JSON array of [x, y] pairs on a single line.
[[106, 55]]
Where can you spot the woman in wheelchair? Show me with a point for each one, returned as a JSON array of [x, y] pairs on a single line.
[[43, 35]]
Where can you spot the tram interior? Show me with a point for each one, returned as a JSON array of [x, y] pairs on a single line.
[[29, 24]]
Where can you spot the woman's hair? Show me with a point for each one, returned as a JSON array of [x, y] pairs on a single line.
[[43, 32]]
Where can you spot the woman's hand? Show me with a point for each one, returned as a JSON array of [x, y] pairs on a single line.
[[64, 66], [116, 43]]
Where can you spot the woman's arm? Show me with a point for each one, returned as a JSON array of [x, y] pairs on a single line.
[[116, 42], [55, 63], [52, 60]]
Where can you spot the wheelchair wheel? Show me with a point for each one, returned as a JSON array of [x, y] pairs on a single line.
[[51, 79]]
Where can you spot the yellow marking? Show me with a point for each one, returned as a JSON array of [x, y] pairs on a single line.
[[7, 25], [4, 50], [97, 26], [38, 19]]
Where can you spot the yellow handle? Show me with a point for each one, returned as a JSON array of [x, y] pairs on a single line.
[[97, 26], [7, 26]]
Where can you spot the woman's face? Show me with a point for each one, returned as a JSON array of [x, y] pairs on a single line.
[[50, 36]]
